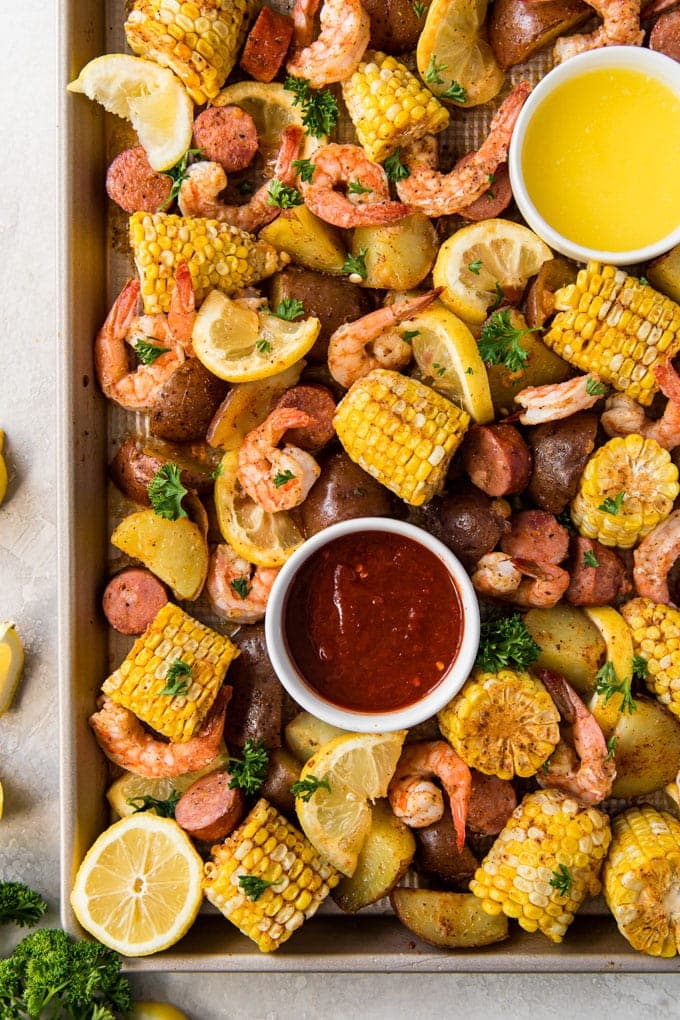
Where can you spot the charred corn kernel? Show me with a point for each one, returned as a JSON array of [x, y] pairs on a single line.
[[628, 487], [642, 879], [610, 324], [198, 41], [300, 879], [504, 724], [141, 678], [401, 432], [538, 874], [389, 106], [656, 638], [217, 255]]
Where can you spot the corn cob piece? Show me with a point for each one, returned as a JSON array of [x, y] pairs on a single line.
[[217, 255], [544, 863], [198, 41], [627, 487], [656, 638], [504, 724], [641, 879], [140, 680], [389, 106], [401, 432], [610, 324], [267, 878]]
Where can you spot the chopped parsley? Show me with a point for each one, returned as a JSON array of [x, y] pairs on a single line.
[[394, 168], [608, 684], [644, 281], [217, 472], [595, 388], [357, 188], [498, 300], [319, 108], [475, 266], [432, 75], [249, 772], [639, 667], [469, 370], [263, 346], [177, 174], [355, 265], [561, 880], [305, 788], [612, 506], [590, 559], [305, 169], [253, 886], [439, 369], [245, 188], [289, 308], [282, 477], [499, 342], [505, 641], [611, 748], [418, 9], [146, 352], [164, 808], [409, 334], [165, 491], [456, 92], [242, 587], [175, 685], [282, 195]]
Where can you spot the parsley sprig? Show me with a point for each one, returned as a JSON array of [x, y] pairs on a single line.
[[288, 308], [456, 92], [613, 505], [499, 342], [253, 886], [282, 195], [319, 109], [355, 265], [146, 352], [179, 173], [305, 169], [249, 772], [281, 477], [595, 388], [305, 788], [164, 808], [394, 168], [166, 492], [357, 188], [241, 586], [561, 880], [608, 684], [505, 641], [20, 905], [175, 684], [590, 559]]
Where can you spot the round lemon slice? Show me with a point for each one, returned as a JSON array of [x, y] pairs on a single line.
[[447, 354], [619, 644], [151, 97], [452, 47], [11, 663], [130, 787], [239, 344], [481, 257], [139, 887], [271, 107], [357, 768]]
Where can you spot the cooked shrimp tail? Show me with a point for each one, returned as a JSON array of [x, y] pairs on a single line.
[[623, 416], [345, 29], [238, 590], [620, 27], [556, 400], [418, 802], [277, 479], [339, 166], [654, 557]]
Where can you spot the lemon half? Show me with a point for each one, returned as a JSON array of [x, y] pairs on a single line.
[[452, 47], [11, 663], [271, 107]]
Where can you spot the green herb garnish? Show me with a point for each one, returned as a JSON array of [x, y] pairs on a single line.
[[263, 346], [166, 492], [249, 772], [595, 388], [418, 9], [590, 559], [561, 880], [432, 75], [612, 506], [357, 188], [409, 334], [611, 748], [319, 109], [305, 169], [644, 281], [164, 808], [174, 684], [146, 352], [455, 92], [282, 477], [498, 300], [439, 369], [177, 174], [355, 265], [304, 788], [253, 886], [289, 309], [505, 641], [282, 195], [242, 587], [608, 684], [20, 905], [640, 668], [499, 342], [475, 266], [245, 188], [394, 168]]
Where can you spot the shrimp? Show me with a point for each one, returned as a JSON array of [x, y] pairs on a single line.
[[348, 357], [276, 479], [623, 416], [346, 165], [496, 575], [520, 581], [419, 803], [559, 400], [124, 740], [204, 181], [438, 194], [654, 557], [335, 55], [581, 766], [238, 590], [620, 27]]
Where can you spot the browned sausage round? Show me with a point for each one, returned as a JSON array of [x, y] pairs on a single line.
[[597, 574], [560, 449], [497, 459], [493, 201], [467, 521], [209, 810], [536, 535], [131, 600], [133, 185], [665, 36], [267, 44], [492, 801], [226, 135], [318, 403]]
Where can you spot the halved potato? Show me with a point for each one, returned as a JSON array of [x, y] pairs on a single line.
[[175, 551], [647, 754], [570, 644], [448, 919], [386, 854], [305, 734], [399, 255], [307, 239]]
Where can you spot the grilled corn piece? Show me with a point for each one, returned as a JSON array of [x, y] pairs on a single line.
[[217, 255], [267, 878], [389, 106], [504, 724], [544, 863], [198, 41], [150, 668], [401, 432], [642, 879], [656, 639], [627, 487], [610, 324]]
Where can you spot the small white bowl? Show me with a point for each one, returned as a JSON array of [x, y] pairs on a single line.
[[654, 64], [371, 722]]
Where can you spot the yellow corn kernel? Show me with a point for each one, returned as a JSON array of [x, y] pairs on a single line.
[[656, 639]]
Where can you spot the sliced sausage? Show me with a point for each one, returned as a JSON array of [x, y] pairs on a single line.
[[665, 36], [468, 522], [561, 450], [209, 809], [131, 600], [495, 200], [318, 403], [134, 185], [536, 535], [226, 135], [497, 459], [256, 710], [267, 44], [598, 575], [492, 801]]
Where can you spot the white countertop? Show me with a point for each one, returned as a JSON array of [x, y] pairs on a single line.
[[29, 837]]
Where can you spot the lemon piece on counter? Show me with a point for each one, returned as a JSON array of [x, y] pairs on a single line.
[[452, 47], [11, 663], [358, 768], [618, 640], [272, 108], [499, 251], [151, 97], [131, 787], [156, 1011], [2, 801], [139, 888], [3, 468]]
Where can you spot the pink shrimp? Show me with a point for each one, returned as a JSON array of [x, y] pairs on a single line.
[[558, 400], [654, 557], [623, 416], [277, 479], [368, 204], [238, 590], [419, 802], [520, 581], [345, 31]]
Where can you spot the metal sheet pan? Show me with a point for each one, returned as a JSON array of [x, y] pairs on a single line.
[[331, 941]]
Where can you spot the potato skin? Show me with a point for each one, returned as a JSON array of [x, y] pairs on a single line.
[[438, 855], [186, 404], [175, 551], [395, 26], [448, 919], [647, 754], [134, 465], [343, 491], [518, 28], [284, 770], [560, 450]]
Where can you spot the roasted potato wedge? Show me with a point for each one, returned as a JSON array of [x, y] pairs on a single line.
[[397, 256], [647, 753], [570, 644], [542, 366], [448, 919], [386, 854], [519, 28], [305, 734], [664, 273], [307, 239], [175, 551], [552, 275]]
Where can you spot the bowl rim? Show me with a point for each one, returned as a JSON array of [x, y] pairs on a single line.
[[659, 66], [371, 722]]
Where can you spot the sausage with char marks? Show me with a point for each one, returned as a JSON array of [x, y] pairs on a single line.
[[318, 403], [131, 600], [497, 459], [495, 200], [226, 135], [595, 585], [536, 535], [210, 810]]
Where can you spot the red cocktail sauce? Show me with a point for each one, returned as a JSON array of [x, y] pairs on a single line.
[[373, 621]]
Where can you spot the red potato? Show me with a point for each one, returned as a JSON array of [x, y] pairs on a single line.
[[468, 521], [494, 201], [536, 535], [561, 450], [134, 465], [267, 44], [319, 404], [497, 459], [226, 135], [131, 600], [492, 801], [210, 810], [133, 185], [665, 36]]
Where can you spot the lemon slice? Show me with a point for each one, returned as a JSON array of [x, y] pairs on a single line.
[[259, 536], [618, 640], [271, 107], [239, 344], [139, 888], [156, 1011], [452, 47], [150, 97], [11, 663], [129, 786], [3, 468], [499, 251], [2, 801], [447, 353], [358, 768]]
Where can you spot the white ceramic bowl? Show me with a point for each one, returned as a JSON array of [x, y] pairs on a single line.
[[656, 65], [371, 722]]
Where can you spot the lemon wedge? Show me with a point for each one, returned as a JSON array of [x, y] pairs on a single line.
[[139, 887], [452, 48], [151, 97], [3, 468], [130, 787], [11, 663], [357, 768], [500, 252], [2, 801], [156, 1011], [271, 107], [618, 640]]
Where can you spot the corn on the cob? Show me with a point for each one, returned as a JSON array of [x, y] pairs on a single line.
[[389, 106], [140, 680], [504, 724], [614, 326], [627, 487], [656, 638], [217, 255], [544, 863], [198, 41], [642, 879], [401, 432], [296, 880]]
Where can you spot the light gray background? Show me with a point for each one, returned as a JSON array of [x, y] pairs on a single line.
[[28, 733]]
